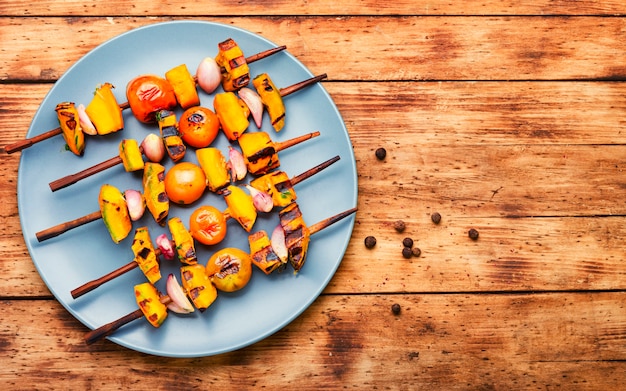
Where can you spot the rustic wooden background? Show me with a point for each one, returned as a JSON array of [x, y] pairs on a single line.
[[506, 117]]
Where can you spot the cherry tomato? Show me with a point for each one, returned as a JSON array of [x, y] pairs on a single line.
[[207, 225], [198, 126], [148, 94], [229, 269], [184, 183]]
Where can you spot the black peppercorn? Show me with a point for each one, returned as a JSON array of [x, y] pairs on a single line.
[[473, 234], [370, 241], [407, 242], [395, 308], [436, 218], [407, 252], [399, 226], [381, 153], [416, 252]]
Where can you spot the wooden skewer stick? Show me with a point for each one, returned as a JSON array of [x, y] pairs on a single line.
[[279, 146], [91, 285], [29, 142], [298, 86], [107, 329], [64, 227]]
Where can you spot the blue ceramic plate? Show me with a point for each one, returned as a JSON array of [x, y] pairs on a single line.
[[235, 320]]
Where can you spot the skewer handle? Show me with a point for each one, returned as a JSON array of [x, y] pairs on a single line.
[[312, 171], [298, 86], [23, 144], [71, 179], [266, 53], [91, 285], [330, 221], [279, 146], [107, 329], [68, 225]]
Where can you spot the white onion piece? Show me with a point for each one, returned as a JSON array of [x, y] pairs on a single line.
[[237, 164], [136, 204], [165, 246], [278, 243], [252, 99], [85, 122], [180, 303], [153, 147], [208, 75], [262, 201]]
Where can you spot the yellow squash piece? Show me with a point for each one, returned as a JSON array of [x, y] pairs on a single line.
[[232, 113], [168, 127], [278, 185], [297, 235], [215, 168], [272, 100], [198, 286], [259, 152], [114, 212], [184, 86], [183, 241], [233, 64], [149, 301], [240, 206], [70, 125], [154, 191], [145, 255], [262, 253], [104, 111], [131, 155]]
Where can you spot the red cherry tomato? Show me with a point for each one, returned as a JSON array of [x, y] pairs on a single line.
[[207, 225], [185, 183], [198, 126], [148, 94]]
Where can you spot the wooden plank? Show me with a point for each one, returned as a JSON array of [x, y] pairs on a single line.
[[458, 341], [379, 48], [311, 7]]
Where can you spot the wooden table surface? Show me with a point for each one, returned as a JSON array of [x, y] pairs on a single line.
[[504, 117]]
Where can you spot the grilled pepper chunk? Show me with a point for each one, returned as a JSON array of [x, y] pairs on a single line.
[[104, 111], [183, 241], [272, 100], [114, 212], [262, 253], [232, 113], [278, 185], [297, 235], [168, 126], [145, 255], [149, 301], [154, 191], [184, 86], [70, 125], [240, 206], [259, 152], [198, 286], [215, 168], [131, 155], [233, 64]]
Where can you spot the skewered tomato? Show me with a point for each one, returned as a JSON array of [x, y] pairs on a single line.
[[198, 126], [207, 225], [148, 94], [229, 269], [184, 183]]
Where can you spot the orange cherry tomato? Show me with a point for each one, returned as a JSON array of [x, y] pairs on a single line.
[[207, 225], [185, 183], [198, 126], [148, 94], [229, 269]]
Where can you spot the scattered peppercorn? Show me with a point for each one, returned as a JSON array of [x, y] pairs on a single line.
[[416, 252], [407, 242], [381, 153], [370, 241], [399, 226], [395, 308], [436, 217], [473, 234], [407, 252]]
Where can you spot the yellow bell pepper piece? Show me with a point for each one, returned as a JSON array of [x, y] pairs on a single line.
[[149, 301], [233, 64], [198, 286], [70, 125], [145, 255], [259, 152], [114, 212], [272, 100], [184, 86], [131, 155], [262, 254], [240, 206], [183, 241], [104, 111], [278, 185], [168, 127], [215, 168], [297, 235], [154, 191], [232, 113]]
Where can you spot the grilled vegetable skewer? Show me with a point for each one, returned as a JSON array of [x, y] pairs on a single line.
[[29, 142]]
